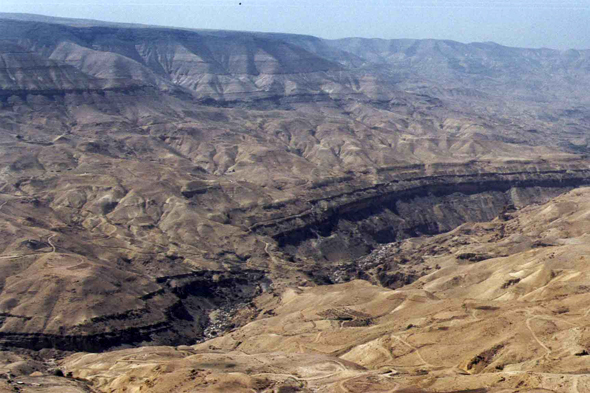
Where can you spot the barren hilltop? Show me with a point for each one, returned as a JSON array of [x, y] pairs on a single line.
[[195, 210]]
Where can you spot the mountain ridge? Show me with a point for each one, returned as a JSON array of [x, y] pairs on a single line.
[[84, 23]]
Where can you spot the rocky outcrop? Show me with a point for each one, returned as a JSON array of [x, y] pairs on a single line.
[[178, 313], [348, 225]]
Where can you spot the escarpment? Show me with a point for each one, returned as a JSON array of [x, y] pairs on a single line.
[[183, 310], [349, 221]]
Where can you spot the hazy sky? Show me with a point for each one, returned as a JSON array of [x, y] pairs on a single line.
[[526, 23]]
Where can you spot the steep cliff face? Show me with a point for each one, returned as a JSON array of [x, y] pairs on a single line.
[[347, 225], [146, 171]]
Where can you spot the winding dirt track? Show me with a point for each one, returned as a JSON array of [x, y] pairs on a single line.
[[51, 243], [416, 350], [575, 385], [528, 325], [53, 250]]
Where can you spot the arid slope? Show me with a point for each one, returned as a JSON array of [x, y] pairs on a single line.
[[516, 321], [148, 172]]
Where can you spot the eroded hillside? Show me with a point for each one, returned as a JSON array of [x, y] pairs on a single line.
[[502, 308], [153, 181]]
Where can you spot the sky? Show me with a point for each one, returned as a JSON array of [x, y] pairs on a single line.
[[555, 24]]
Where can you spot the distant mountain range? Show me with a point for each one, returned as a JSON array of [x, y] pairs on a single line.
[[227, 65]]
